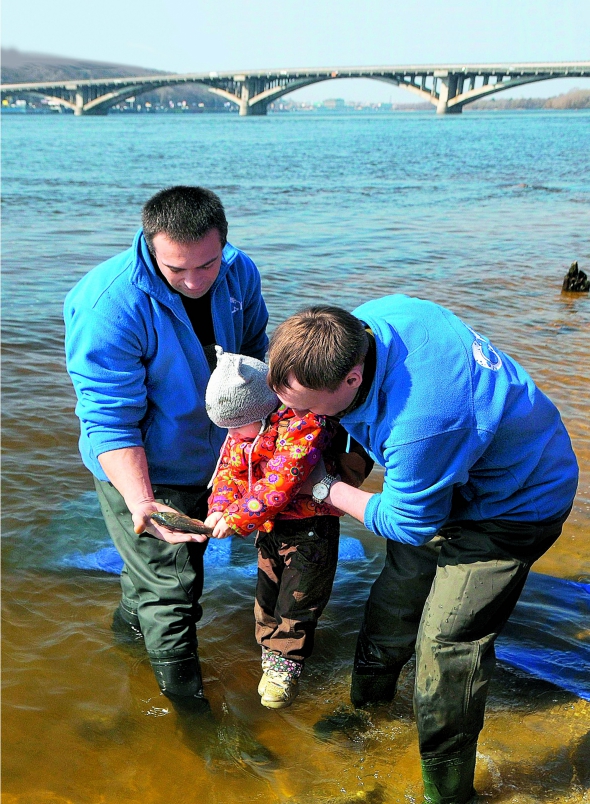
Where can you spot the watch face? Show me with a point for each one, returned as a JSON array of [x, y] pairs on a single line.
[[320, 491]]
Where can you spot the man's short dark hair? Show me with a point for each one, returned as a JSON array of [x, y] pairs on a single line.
[[184, 214], [318, 346]]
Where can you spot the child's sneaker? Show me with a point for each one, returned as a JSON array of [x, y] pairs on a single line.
[[278, 685], [280, 690]]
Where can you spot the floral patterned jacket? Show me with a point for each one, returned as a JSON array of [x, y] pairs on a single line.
[[278, 462]]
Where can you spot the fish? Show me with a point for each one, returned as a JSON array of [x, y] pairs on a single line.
[[175, 521]]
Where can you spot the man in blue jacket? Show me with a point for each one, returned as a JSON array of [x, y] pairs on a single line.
[[141, 330], [479, 478]]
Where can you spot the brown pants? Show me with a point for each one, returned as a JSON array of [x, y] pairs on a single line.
[[296, 568]]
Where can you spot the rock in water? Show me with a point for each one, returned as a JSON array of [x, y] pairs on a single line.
[[374, 796], [575, 281]]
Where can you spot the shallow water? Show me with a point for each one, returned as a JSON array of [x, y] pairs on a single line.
[[482, 213]]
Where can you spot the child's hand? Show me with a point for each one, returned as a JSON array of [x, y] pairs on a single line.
[[221, 530], [213, 519]]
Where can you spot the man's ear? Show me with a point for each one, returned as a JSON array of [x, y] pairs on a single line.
[[354, 377]]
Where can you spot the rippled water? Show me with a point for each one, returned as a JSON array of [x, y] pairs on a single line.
[[482, 213]]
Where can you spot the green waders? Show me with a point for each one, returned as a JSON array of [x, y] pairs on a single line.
[[161, 585], [447, 600]]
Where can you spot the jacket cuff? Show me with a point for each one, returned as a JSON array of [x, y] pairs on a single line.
[[371, 513]]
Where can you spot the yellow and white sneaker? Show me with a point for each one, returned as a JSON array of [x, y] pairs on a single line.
[[279, 689]]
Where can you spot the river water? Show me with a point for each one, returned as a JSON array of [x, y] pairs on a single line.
[[482, 213]]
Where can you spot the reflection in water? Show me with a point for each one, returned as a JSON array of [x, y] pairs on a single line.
[[331, 208]]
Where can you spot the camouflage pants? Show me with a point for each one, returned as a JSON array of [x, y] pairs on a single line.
[[448, 600], [161, 583], [296, 567]]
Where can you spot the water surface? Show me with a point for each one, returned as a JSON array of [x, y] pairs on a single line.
[[482, 213]]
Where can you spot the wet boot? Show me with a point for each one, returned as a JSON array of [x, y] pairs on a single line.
[[372, 687], [126, 629], [224, 743], [373, 679], [449, 779], [180, 681]]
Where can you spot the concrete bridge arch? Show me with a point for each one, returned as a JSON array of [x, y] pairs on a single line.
[[448, 87]]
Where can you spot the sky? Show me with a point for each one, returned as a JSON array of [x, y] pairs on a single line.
[[203, 35]]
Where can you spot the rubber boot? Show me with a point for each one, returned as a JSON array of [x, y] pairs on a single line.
[[126, 629], [372, 687], [449, 779], [373, 680], [227, 742], [180, 681]]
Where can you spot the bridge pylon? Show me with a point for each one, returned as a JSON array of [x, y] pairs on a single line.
[[448, 89], [247, 108], [81, 106]]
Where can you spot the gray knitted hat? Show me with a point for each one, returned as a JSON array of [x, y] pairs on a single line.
[[237, 393]]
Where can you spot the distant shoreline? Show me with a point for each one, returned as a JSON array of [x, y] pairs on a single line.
[[419, 109], [574, 100]]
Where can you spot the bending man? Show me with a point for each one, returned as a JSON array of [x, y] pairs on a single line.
[[141, 331], [479, 478]]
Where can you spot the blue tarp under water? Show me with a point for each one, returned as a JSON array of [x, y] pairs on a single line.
[[548, 634]]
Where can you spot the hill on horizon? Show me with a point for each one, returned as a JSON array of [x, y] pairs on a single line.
[[19, 67]]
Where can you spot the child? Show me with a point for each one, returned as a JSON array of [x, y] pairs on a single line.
[[268, 454]]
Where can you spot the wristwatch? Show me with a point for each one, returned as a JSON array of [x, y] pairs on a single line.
[[321, 490]]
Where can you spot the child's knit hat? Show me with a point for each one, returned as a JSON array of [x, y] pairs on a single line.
[[237, 393]]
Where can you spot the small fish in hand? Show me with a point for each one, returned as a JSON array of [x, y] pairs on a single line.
[[175, 521]]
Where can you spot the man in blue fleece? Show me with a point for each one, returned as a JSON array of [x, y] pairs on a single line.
[[141, 331], [479, 478]]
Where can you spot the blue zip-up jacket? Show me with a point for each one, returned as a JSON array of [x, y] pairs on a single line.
[[138, 368], [460, 427]]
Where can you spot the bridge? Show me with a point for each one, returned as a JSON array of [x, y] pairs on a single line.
[[448, 86]]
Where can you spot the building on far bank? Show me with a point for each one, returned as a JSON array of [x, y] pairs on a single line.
[[334, 103]]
